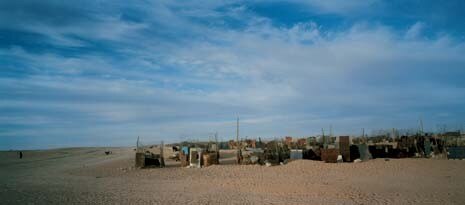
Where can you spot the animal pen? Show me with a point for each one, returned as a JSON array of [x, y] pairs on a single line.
[[199, 154], [149, 155]]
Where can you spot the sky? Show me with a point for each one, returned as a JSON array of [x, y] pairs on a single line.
[[101, 73]]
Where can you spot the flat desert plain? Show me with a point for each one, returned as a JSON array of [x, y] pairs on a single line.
[[88, 176]]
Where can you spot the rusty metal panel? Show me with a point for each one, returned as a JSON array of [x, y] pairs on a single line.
[[329, 155], [344, 148], [210, 159], [184, 159]]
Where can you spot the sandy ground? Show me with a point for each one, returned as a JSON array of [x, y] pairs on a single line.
[[87, 175]]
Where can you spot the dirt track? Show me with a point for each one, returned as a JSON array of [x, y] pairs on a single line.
[[87, 175]]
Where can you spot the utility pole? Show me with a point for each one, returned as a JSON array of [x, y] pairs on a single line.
[[239, 155], [162, 158], [363, 135], [330, 130], [237, 131], [137, 144], [421, 126], [324, 139], [216, 136], [217, 148], [216, 141], [330, 133]]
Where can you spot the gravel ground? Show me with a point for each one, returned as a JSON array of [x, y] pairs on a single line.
[[87, 175]]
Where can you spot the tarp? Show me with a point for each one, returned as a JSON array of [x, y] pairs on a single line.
[[456, 152], [185, 150], [364, 153], [427, 147], [296, 154]]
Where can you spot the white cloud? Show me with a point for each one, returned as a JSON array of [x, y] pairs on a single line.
[[280, 81], [342, 6], [415, 30]]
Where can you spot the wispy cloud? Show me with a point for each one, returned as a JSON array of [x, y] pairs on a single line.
[[181, 70]]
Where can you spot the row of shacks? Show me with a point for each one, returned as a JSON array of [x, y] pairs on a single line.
[[188, 154], [328, 149], [447, 145]]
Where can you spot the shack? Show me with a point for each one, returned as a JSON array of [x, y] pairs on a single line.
[[199, 154], [149, 155]]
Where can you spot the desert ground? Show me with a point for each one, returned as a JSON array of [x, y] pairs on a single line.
[[87, 175]]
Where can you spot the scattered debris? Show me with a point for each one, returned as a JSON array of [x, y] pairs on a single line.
[[339, 159], [325, 148]]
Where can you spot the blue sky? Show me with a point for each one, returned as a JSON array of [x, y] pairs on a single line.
[[101, 73]]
